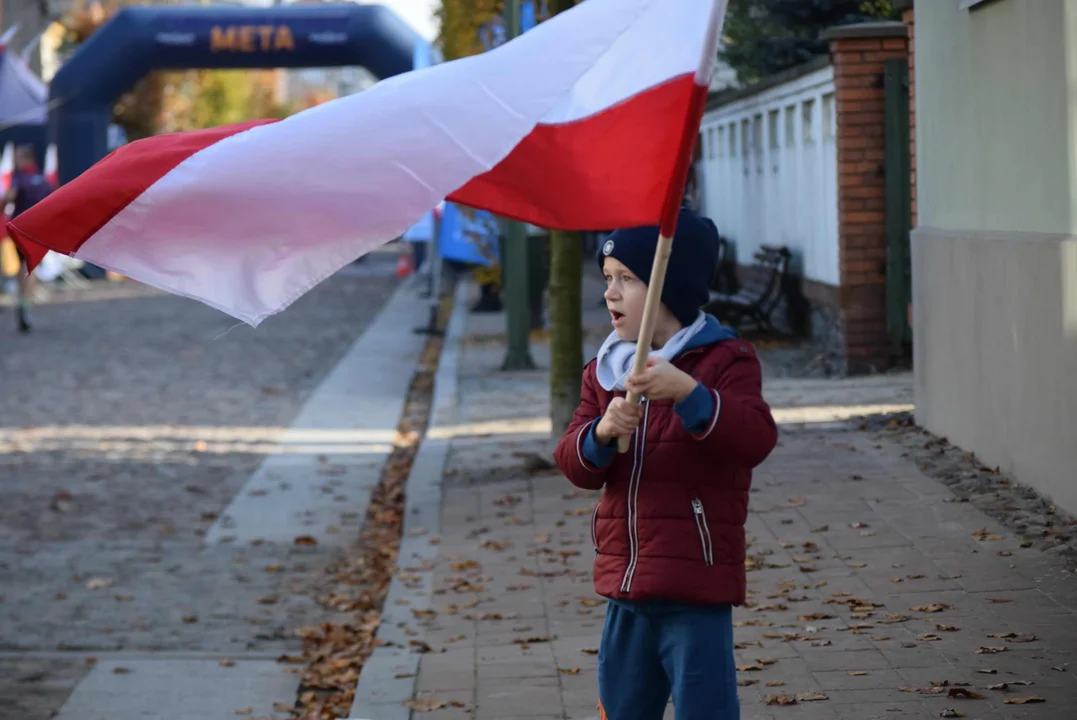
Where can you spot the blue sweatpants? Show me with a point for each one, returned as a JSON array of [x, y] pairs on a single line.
[[650, 650]]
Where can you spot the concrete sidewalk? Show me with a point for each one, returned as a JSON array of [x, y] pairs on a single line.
[[872, 593]]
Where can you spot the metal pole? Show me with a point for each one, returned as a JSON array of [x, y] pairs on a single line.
[[514, 263], [433, 264]]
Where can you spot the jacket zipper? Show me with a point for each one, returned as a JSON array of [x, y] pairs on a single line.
[[594, 526], [704, 531], [638, 448]]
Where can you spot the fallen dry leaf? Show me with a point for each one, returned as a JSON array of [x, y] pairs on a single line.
[[780, 700], [306, 540], [1024, 700], [225, 662], [811, 696], [989, 650], [946, 628], [964, 693], [775, 683], [291, 659], [589, 651], [190, 619], [951, 713], [244, 711], [99, 583], [931, 608], [750, 668], [856, 673], [533, 639], [815, 616], [987, 671], [928, 637], [569, 671], [745, 682], [430, 704]]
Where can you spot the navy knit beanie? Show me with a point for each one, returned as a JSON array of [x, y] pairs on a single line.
[[692, 263]]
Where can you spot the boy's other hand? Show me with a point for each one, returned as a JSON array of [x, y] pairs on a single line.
[[621, 419], [661, 381]]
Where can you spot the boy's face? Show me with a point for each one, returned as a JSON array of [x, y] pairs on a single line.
[[625, 297]]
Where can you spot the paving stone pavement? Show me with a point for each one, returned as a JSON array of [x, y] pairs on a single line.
[[868, 585], [128, 421]]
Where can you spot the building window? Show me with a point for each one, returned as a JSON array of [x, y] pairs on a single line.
[[721, 140], [772, 129], [790, 126]]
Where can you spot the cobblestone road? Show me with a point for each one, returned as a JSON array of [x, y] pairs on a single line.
[[128, 420]]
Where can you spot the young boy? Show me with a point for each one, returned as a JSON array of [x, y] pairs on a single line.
[[669, 530]]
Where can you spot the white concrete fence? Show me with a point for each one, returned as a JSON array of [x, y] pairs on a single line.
[[769, 172]]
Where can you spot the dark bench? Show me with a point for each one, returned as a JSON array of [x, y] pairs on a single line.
[[720, 282], [757, 299]]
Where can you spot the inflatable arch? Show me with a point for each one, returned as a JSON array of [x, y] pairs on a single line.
[[140, 39]]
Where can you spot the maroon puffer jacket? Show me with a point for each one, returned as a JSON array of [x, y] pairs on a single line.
[[670, 524]]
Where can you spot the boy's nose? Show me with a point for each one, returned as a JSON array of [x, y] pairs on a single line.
[[610, 293]]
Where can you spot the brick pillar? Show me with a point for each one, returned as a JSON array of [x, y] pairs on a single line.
[[858, 52]]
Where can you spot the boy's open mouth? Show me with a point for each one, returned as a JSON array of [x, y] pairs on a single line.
[[618, 317]]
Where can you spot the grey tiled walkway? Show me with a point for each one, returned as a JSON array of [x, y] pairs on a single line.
[[869, 585]]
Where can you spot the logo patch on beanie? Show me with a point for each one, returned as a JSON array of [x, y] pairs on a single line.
[[607, 248]]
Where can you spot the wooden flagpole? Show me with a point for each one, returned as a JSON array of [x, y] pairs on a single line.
[[672, 205], [650, 316]]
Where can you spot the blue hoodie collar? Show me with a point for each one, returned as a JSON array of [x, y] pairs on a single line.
[[713, 332]]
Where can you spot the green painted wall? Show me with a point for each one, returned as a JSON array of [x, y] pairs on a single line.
[[996, 94]]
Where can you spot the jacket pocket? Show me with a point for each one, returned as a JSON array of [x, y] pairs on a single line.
[[594, 526], [700, 514]]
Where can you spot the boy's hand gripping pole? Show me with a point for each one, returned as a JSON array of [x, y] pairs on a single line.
[[650, 316]]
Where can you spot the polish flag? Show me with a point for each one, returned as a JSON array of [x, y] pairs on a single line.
[[52, 166], [586, 122]]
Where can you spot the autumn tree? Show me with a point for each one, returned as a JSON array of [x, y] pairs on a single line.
[[138, 110], [462, 23], [566, 312], [176, 100], [763, 37]]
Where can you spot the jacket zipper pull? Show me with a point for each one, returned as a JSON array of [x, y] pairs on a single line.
[[697, 507]]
